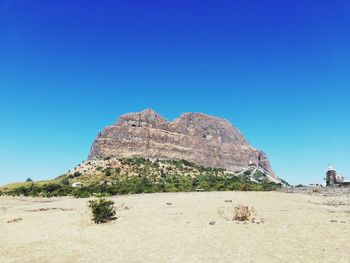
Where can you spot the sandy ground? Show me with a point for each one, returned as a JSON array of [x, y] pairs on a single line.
[[288, 228]]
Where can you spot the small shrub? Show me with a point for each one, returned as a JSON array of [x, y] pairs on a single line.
[[108, 172], [243, 213], [77, 174], [103, 210], [65, 181]]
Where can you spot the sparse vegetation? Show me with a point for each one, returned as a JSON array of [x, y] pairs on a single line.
[[334, 203], [103, 210]]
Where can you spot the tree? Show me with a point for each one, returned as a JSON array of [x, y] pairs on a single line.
[[29, 180]]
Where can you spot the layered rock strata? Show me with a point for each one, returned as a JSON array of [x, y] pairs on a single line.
[[196, 137]]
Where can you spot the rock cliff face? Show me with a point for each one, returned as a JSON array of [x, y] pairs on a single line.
[[195, 137]]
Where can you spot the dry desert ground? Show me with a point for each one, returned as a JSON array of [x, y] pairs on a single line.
[[288, 228]]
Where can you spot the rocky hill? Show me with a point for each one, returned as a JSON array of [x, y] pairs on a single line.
[[196, 137], [143, 152]]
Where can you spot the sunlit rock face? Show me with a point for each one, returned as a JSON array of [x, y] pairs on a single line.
[[205, 140]]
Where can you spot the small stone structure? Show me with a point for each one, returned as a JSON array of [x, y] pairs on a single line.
[[331, 176], [332, 179]]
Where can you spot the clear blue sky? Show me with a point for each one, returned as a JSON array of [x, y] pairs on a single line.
[[278, 70]]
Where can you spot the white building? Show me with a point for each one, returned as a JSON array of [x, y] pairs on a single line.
[[77, 184]]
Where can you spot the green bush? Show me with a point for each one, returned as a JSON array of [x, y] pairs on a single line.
[[99, 195], [205, 186], [108, 172], [65, 181], [77, 174], [103, 210], [81, 194]]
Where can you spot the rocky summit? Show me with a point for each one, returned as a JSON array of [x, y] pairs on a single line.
[[196, 137]]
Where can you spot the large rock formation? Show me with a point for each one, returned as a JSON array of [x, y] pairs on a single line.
[[195, 137]]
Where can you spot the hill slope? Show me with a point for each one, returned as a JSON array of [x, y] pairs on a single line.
[[136, 175]]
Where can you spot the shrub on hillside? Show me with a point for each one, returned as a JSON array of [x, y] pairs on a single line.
[[108, 172], [77, 174], [65, 181], [103, 210]]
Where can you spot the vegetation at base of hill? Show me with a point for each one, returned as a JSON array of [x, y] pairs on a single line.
[[136, 185], [112, 182]]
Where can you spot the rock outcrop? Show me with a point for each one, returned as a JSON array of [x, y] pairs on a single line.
[[196, 137]]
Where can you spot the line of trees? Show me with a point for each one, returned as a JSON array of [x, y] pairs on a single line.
[[135, 185]]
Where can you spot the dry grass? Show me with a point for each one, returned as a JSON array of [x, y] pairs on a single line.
[[240, 213], [244, 213], [335, 203]]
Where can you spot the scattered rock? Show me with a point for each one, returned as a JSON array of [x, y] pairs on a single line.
[[334, 221], [15, 220], [228, 201], [169, 203], [212, 223], [49, 209]]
